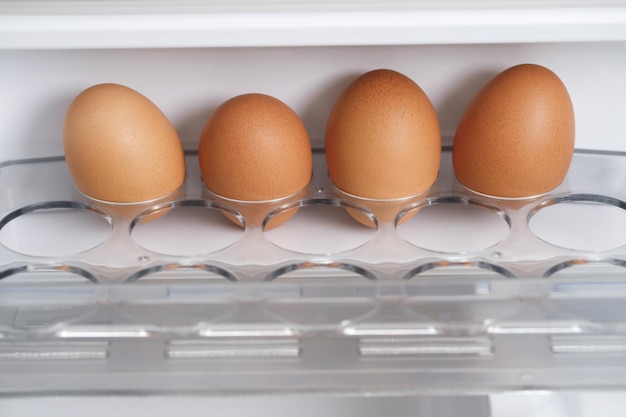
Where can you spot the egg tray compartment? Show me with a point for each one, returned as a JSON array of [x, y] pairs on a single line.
[[320, 242]]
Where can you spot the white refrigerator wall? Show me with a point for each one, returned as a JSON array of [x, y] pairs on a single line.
[[189, 83]]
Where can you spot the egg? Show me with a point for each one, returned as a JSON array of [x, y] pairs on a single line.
[[516, 137], [119, 146], [255, 148], [383, 139]]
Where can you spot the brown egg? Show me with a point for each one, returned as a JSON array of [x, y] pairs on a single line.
[[120, 147], [255, 148], [516, 137], [383, 139]]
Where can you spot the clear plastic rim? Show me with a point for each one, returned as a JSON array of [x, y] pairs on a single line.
[[52, 205], [47, 205], [169, 267], [487, 266], [187, 203], [454, 199], [574, 198], [580, 261], [49, 268], [311, 265]]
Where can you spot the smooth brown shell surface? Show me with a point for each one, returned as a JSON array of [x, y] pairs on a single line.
[[255, 148], [516, 137], [120, 147], [383, 139]]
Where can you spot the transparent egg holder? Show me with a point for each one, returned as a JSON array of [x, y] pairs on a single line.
[[437, 297], [450, 230]]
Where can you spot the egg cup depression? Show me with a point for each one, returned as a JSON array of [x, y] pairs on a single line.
[[256, 254]]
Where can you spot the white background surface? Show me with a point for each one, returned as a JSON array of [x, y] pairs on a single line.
[[188, 84]]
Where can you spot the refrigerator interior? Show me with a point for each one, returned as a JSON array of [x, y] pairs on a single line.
[[488, 305]]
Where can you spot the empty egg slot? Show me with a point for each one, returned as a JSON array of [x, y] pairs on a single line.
[[321, 227], [453, 225], [187, 227], [41, 229], [581, 222]]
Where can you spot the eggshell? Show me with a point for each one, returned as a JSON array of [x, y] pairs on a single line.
[[383, 139], [255, 148], [120, 147], [516, 137]]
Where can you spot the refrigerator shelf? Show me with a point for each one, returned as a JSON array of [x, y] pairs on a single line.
[[113, 305], [331, 339]]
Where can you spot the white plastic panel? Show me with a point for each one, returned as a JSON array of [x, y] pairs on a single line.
[[112, 24]]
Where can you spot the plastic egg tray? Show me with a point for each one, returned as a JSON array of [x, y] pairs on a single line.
[[450, 232]]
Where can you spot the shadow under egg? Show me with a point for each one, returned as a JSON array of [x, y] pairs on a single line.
[[272, 223], [372, 212], [387, 213]]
